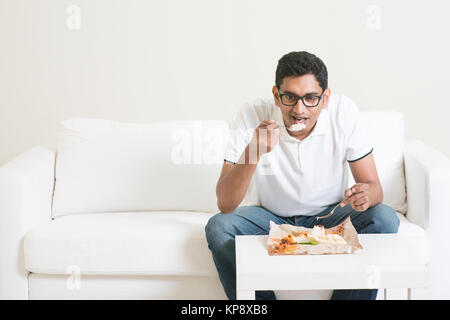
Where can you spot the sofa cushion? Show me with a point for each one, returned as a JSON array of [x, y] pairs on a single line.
[[130, 243], [386, 132], [109, 166], [124, 287], [388, 145], [122, 243]]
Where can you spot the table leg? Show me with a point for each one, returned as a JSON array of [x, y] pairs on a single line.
[[409, 294], [245, 295]]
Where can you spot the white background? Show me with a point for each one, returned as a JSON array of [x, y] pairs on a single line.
[[148, 61]]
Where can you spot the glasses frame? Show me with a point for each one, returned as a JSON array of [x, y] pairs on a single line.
[[298, 98]]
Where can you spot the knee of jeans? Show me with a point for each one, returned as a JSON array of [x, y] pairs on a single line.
[[384, 219], [217, 228]]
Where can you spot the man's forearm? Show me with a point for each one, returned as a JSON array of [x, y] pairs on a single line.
[[232, 187], [375, 194]]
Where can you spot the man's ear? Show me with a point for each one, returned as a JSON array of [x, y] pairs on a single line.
[[326, 98], [276, 97]]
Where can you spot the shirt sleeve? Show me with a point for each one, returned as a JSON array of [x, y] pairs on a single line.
[[358, 142], [238, 138]]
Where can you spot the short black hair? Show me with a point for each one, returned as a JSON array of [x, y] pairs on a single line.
[[299, 63]]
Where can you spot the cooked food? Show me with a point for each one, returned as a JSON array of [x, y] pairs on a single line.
[[286, 239], [297, 127], [317, 235], [320, 235]]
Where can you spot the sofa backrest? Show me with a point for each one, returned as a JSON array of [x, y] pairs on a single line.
[[109, 166], [386, 131]]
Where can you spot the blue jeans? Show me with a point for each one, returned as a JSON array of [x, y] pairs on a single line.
[[221, 230]]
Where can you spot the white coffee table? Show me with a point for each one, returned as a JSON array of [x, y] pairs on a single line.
[[387, 261]]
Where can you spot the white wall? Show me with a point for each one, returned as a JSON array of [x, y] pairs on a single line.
[[146, 61]]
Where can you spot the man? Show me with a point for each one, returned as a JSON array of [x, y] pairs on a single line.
[[296, 149]]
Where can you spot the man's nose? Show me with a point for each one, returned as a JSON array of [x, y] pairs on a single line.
[[300, 107]]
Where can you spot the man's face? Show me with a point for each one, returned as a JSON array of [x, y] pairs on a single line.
[[306, 85]]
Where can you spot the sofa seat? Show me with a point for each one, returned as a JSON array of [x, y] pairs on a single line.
[[125, 243], [135, 243]]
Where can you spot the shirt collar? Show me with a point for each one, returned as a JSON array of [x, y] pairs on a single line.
[[322, 125]]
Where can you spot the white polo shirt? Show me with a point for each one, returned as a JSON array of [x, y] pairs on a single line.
[[302, 177]]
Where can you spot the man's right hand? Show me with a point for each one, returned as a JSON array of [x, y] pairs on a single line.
[[234, 180], [265, 137]]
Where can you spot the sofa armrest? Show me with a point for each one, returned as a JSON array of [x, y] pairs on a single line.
[[26, 191], [427, 174]]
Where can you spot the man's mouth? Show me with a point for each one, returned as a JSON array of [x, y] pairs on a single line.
[[299, 119], [298, 125]]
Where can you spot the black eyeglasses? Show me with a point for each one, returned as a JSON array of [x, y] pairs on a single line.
[[309, 100]]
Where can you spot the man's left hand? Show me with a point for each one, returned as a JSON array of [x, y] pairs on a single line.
[[357, 196]]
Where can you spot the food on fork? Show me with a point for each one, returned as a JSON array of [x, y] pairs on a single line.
[[297, 127]]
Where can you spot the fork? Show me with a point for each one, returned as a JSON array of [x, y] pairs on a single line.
[[329, 215]]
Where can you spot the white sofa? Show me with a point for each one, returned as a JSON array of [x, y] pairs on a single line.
[[118, 210]]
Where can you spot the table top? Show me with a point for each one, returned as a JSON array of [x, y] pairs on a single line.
[[387, 261]]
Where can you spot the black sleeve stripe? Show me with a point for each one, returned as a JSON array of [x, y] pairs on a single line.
[[229, 161], [361, 157]]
